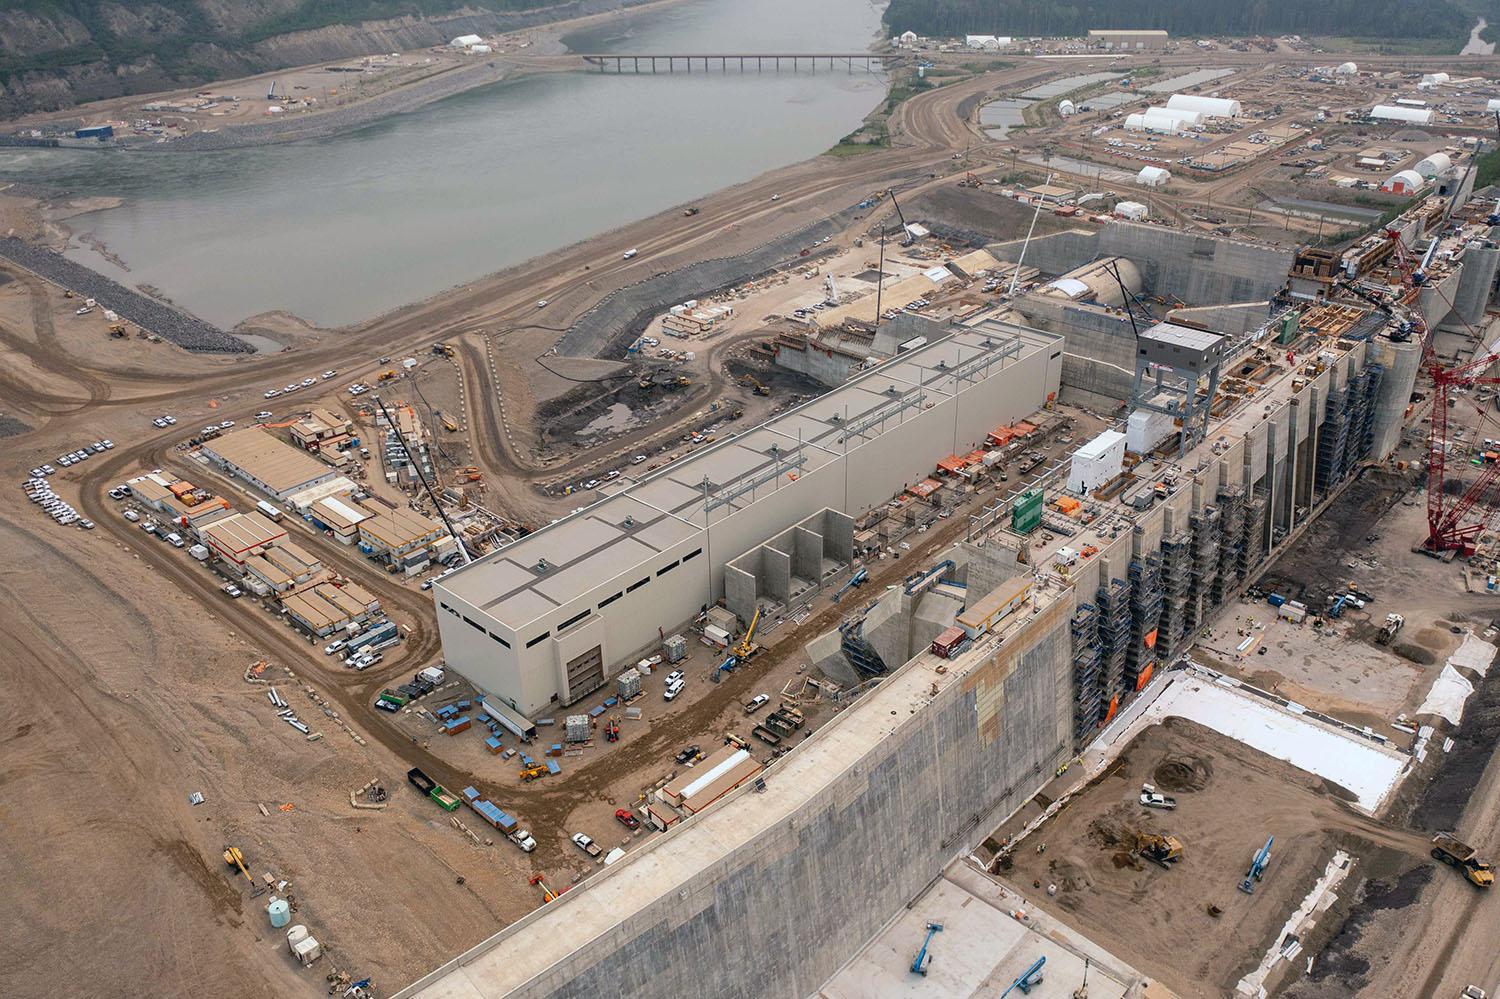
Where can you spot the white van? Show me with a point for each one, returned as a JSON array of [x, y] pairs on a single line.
[[673, 689], [432, 674]]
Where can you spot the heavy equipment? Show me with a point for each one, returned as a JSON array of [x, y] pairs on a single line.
[[854, 582], [1457, 512], [1164, 851], [533, 772], [1393, 623], [747, 647], [923, 959], [1479, 872], [386, 375], [751, 382], [444, 349], [1029, 979], [448, 423], [1258, 865], [234, 858], [548, 895]]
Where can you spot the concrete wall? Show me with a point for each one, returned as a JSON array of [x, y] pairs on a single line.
[[1098, 365], [1199, 270], [778, 915]]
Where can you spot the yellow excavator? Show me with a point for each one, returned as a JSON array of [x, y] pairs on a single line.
[[1161, 850]]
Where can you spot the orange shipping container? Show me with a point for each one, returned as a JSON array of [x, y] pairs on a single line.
[[1067, 505]]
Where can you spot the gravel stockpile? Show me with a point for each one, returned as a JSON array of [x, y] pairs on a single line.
[[156, 317], [612, 325]]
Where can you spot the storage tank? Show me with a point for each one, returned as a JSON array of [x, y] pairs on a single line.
[[1432, 166], [280, 912], [295, 935], [1211, 107]]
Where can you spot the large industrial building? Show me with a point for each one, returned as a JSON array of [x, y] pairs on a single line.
[[1066, 627], [548, 619]]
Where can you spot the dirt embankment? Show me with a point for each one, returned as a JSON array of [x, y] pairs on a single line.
[[142, 51]]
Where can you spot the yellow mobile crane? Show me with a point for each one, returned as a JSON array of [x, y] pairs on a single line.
[[747, 648]]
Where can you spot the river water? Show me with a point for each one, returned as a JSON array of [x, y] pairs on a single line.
[[342, 229]]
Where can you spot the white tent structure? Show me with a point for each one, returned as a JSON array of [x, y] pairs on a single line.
[[1434, 80], [1151, 176], [1132, 210], [1346, 69], [1405, 182], [1434, 165], [1065, 108], [465, 41], [1209, 107], [1163, 120], [1391, 112]]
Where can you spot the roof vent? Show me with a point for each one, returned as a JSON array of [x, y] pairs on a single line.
[[542, 565], [629, 522]]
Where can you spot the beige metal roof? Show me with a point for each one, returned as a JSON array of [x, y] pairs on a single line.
[[400, 527], [277, 464], [243, 532], [343, 514]]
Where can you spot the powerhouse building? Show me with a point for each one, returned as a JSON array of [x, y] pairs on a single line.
[[549, 619]]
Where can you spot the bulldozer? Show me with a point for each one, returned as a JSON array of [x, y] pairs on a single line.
[[1163, 851]]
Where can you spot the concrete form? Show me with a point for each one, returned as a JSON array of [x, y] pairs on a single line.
[[549, 618]]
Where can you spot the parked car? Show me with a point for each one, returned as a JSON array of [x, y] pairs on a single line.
[[637, 459], [627, 819], [673, 689], [334, 646], [264, 414], [131, 516], [689, 754], [271, 393], [329, 373], [756, 703], [587, 845]]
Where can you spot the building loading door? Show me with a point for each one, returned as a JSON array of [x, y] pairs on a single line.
[[585, 673]]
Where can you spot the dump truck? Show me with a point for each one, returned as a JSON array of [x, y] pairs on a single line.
[[1480, 872], [1160, 850]]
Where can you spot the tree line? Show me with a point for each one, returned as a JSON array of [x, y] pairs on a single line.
[[1189, 18]]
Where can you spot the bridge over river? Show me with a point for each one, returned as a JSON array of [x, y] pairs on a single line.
[[745, 62]]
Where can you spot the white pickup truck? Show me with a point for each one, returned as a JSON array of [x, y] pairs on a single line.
[[1151, 798]]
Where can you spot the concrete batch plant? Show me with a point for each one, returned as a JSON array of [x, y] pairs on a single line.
[[549, 619]]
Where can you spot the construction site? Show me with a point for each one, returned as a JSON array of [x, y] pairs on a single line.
[[1004, 571]]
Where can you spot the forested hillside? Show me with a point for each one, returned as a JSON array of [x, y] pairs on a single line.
[[1188, 18], [54, 53]]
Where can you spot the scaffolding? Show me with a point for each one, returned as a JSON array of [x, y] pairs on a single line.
[[1253, 538], [1114, 634], [860, 653], [1232, 530], [1146, 597], [1203, 565], [1330, 462], [1176, 557], [1088, 661]]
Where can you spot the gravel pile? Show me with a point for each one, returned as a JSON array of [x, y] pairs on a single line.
[[156, 317]]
